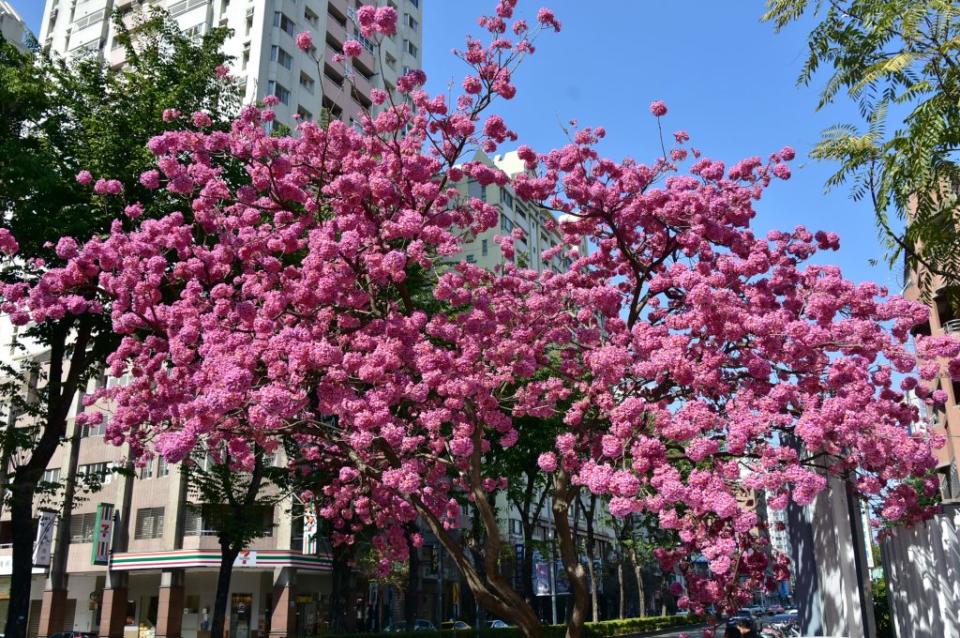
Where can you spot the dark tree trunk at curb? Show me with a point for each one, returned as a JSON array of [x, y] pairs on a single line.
[[21, 509], [411, 596], [228, 555], [563, 495], [339, 587]]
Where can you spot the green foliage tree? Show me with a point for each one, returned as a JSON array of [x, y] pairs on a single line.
[[898, 60], [237, 506], [58, 118]]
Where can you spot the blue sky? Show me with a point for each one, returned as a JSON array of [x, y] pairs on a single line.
[[728, 79]]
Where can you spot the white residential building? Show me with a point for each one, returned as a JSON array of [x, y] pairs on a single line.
[[12, 27], [265, 55]]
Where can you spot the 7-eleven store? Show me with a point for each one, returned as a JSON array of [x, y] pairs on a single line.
[[273, 593], [160, 568]]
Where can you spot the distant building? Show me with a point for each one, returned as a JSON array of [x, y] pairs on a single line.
[[12, 27], [266, 58], [514, 213]]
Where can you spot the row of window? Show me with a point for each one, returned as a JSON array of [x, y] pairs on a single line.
[[149, 524]]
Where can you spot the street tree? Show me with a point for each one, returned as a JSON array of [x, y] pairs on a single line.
[[897, 60], [680, 355], [64, 122]]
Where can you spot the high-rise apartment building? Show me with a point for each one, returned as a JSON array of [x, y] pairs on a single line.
[[266, 58], [944, 420], [12, 27]]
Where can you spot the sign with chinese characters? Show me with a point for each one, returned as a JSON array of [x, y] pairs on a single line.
[[102, 534], [44, 540]]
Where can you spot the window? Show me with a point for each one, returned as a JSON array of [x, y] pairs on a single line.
[[163, 468], [186, 5], [280, 56], [192, 522], [410, 48], [415, 3], [282, 93], [246, 58], [515, 526], [410, 21], [475, 189], [483, 247], [307, 82], [93, 429], [81, 527], [471, 259], [87, 20], [146, 472], [149, 523], [286, 24], [305, 115], [195, 32], [506, 224], [96, 472], [506, 198], [312, 18], [51, 475], [391, 61]]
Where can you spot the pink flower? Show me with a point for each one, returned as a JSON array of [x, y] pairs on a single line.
[[547, 462], [150, 179], [386, 19], [547, 18], [84, 177], [658, 108], [169, 115], [352, 48], [201, 119], [107, 187], [221, 71], [305, 40], [8, 245]]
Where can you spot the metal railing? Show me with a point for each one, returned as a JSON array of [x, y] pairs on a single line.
[[952, 326]]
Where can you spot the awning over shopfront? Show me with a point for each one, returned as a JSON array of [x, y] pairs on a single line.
[[198, 559]]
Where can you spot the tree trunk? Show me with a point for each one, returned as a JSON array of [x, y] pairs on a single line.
[[489, 589], [563, 495], [228, 554], [21, 509], [412, 595], [591, 556], [638, 574], [339, 587], [623, 593], [53, 426]]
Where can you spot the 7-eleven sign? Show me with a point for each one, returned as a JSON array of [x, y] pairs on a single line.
[[102, 534]]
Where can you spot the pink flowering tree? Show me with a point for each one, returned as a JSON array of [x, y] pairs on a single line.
[[688, 359]]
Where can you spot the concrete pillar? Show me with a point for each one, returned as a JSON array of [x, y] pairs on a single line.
[[829, 560], [283, 616], [52, 608], [113, 609], [170, 606]]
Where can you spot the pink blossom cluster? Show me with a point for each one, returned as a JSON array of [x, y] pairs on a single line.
[[692, 361]]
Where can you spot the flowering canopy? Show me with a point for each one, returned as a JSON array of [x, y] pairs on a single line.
[[304, 291]]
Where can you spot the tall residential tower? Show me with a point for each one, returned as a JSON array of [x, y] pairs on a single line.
[[265, 55]]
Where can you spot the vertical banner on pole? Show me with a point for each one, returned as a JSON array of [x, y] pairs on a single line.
[[102, 534], [44, 541]]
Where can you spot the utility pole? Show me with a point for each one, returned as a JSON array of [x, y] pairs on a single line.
[[553, 579]]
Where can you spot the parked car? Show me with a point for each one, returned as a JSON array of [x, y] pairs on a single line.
[[74, 634], [457, 625], [418, 625], [498, 624]]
